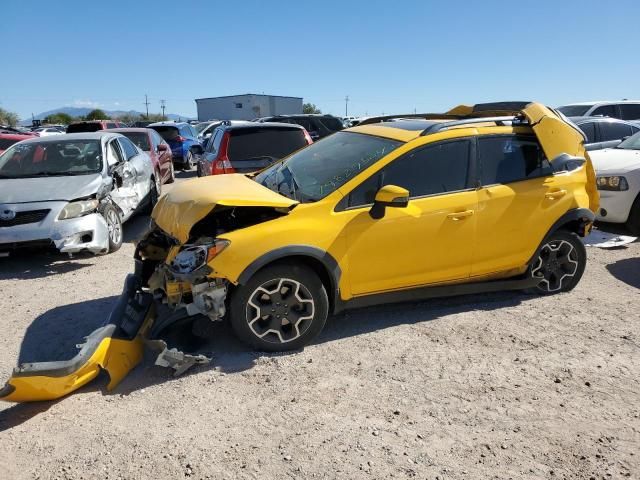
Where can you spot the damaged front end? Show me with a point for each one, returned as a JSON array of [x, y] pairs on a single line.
[[171, 300]]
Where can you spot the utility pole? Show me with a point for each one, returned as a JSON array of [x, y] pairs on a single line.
[[346, 106], [162, 105], [146, 103]]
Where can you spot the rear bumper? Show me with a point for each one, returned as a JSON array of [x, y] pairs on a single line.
[[116, 347]]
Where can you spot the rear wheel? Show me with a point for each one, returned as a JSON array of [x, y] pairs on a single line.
[[560, 263], [188, 161], [282, 307], [114, 227], [633, 222], [172, 173]]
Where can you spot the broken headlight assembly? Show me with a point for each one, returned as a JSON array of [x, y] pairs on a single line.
[[193, 257], [78, 208], [613, 183]]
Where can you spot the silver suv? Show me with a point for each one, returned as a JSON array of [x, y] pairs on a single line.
[[623, 109]]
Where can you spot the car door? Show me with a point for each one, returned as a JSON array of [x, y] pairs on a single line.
[[429, 241], [134, 172], [519, 199]]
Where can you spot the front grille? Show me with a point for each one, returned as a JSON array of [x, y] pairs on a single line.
[[23, 218]]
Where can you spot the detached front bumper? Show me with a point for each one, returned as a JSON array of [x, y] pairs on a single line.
[[116, 347]]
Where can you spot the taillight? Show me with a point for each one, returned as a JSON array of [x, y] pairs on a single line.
[[222, 164], [180, 139], [307, 137]]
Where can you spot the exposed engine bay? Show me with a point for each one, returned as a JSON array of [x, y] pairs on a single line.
[[166, 305]]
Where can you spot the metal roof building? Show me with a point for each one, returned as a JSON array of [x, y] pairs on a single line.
[[246, 107]]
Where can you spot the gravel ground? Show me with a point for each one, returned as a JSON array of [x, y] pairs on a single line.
[[493, 386]]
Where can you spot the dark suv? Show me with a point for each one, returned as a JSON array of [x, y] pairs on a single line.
[[604, 132], [241, 147], [318, 126], [93, 126]]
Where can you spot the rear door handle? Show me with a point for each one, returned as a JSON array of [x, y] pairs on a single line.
[[555, 194], [460, 215]]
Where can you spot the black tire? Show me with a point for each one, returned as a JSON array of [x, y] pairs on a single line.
[[188, 161], [172, 173], [280, 291], [633, 222], [199, 169], [155, 190], [114, 227], [560, 261]]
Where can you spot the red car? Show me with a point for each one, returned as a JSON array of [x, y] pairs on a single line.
[[8, 138], [92, 126], [151, 142]]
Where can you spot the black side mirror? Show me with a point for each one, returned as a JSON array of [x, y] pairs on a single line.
[[197, 149]]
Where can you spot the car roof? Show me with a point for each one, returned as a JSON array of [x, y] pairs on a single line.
[[128, 129], [599, 102], [74, 136], [168, 124], [239, 124]]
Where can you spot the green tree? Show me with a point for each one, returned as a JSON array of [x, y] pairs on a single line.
[[8, 118], [310, 108], [97, 114], [58, 118]]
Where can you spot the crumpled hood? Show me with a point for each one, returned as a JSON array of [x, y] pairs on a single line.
[[189, 202], [43, 189], [615, 160]]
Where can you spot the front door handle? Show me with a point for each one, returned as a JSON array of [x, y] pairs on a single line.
[[460, 215], [556, 194]]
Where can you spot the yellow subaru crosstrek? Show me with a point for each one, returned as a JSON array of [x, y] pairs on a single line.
[[483, 198]]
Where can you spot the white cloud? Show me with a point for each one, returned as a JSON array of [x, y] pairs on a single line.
[[86, 103]]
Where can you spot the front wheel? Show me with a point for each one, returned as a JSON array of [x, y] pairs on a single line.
[[560, 263], [282, 307], [114, 227]]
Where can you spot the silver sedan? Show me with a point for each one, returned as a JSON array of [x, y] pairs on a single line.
[[72, 191]]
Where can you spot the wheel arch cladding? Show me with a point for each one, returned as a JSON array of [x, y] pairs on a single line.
[[574, 220], [320, 261]]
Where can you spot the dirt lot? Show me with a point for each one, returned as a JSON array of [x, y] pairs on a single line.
[[492, 386]]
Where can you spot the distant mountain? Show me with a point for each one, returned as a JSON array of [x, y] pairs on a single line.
[[80, 111]]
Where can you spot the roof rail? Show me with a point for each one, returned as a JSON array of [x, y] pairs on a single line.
[[419, 116], [500, 121]]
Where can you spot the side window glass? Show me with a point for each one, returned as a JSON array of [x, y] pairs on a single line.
[[214, 141], [129, 149], [606, 111], [507, 159], [630, 111], [113, 154], [614, 131], [589, 129], [430, 170]]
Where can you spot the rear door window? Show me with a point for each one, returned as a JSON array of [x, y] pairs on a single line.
[[330, 123], [630, 111], [128, 148], [614, 131], [270, 143], [168, 134], [511, 158], [214, 142]]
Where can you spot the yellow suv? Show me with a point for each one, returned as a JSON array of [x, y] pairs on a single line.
[[483, 198], [489, 197]]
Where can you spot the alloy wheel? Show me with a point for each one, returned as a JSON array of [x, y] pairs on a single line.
[[280, 310], [114, 226], [556, 264]]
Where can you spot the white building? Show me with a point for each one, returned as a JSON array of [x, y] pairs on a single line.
[[246, 107]]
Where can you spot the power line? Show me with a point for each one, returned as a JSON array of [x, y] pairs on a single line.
[[162, 105], [346, 106]]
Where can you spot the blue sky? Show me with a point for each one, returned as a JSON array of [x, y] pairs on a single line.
[[388, 56]]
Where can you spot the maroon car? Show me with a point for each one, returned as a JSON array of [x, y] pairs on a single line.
[[151, 142], [8, 138]]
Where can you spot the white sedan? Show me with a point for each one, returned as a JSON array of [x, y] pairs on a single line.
[[46, 131], [618, 179]]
